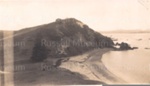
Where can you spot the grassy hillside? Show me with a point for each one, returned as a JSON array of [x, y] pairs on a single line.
[[62, 38]]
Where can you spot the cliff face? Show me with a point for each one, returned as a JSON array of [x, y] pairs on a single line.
[[61, 38]]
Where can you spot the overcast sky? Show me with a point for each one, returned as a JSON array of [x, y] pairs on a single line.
[[98, 14]]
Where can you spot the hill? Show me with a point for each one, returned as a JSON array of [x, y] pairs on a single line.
[[62, 38]]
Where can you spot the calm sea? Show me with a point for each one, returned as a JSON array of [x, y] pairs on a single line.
[[133, 66]]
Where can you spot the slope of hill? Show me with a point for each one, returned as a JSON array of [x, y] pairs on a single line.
[[62, 38]]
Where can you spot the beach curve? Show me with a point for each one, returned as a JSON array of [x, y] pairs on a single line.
[[90, 65]]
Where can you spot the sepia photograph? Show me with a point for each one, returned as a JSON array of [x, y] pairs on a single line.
[[74, 42]]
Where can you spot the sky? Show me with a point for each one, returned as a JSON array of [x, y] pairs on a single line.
[[100, 15]]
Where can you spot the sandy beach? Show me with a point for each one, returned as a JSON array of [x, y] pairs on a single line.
[[91, 66]]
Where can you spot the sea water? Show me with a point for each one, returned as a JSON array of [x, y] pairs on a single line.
[[133, 66]]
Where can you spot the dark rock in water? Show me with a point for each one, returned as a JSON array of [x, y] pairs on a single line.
[[139, 39], [147, 48], [125, 46], [134, 47]]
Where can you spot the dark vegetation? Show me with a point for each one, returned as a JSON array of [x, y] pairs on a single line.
[[39, 52]]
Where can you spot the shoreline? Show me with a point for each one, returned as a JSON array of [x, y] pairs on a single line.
[[91, 66]]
